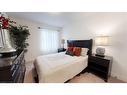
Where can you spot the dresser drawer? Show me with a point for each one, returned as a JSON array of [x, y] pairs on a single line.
[[14, 72], [14, 67]]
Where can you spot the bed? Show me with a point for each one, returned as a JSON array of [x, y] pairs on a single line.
[[59, 67]]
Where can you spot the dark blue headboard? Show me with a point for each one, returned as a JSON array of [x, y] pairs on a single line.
[[82, 44]]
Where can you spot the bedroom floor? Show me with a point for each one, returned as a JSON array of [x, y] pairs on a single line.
[[83, 78]]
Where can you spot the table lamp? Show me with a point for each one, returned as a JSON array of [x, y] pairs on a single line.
[[101, 41]]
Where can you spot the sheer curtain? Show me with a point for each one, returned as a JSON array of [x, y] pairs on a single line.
[[49, 41]]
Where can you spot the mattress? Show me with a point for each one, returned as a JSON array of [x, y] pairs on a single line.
[[59, 67]]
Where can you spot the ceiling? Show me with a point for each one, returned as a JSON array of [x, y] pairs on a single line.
[[58, 19]]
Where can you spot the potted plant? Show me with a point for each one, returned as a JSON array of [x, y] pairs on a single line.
[[19, 35]]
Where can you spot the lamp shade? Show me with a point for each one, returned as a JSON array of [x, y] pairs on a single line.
[[102, 40], [62, 41]]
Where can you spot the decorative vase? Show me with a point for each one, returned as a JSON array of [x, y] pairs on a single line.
[[4, 33], [6, 50]]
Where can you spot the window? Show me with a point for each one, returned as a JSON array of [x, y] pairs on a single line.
[[50, 41]]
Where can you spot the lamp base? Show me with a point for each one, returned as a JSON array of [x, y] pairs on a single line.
[[7, 52], [99, 55], [100, 51]]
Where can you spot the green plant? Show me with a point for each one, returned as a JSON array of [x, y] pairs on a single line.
[[19, 35]]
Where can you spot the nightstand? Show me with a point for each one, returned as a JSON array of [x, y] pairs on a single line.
[[61, 50], [100, 66]]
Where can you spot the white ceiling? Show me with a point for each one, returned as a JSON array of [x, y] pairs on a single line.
[[52, 18]]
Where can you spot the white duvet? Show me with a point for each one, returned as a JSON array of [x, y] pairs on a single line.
[[59, 67]]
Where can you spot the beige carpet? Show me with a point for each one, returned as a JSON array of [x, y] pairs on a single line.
[[86, 78], [83, 78], [29, 78]]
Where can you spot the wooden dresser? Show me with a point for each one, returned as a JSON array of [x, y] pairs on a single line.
[[12, 70]]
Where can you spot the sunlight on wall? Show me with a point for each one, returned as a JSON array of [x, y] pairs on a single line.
[[105, 30]]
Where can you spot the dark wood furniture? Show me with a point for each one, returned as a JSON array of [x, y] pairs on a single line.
[[61, 50], [13, 69], [81, 43], [100, 66]]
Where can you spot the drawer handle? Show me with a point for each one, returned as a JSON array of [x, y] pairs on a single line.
[[13, 73], [13, 67]]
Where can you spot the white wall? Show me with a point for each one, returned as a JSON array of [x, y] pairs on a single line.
[[111, 24], [34, 48]]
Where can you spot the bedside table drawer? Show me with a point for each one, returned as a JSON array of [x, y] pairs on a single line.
[[99, 61], [97, 67]]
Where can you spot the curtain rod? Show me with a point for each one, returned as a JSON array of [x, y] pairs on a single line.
[[50, 28]]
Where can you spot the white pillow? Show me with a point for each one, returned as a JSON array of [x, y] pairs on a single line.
[[84, 51]]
